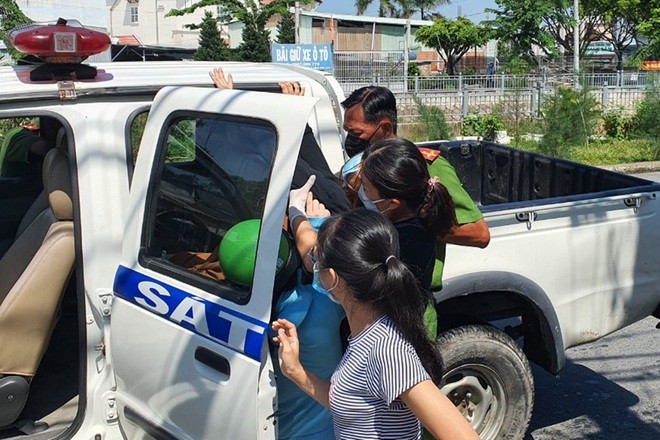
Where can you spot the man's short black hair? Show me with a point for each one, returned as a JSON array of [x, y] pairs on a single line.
[[376, 102]]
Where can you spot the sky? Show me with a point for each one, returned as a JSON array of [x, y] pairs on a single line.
[[473, 9]]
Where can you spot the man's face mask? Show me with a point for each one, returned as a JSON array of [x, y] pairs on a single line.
[[354, 145]]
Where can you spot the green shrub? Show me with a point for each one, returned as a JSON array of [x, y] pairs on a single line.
[[484, 126], [471, 126], [606, 152], [616, 124], [646, 122], [432, 120], [571, 116], [413, 69]]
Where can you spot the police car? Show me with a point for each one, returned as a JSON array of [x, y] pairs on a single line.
[[127, 310]]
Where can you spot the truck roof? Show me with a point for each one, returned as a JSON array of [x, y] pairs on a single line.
[[15, 80]]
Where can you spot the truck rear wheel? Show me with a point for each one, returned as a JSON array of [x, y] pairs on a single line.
[[488, 378]]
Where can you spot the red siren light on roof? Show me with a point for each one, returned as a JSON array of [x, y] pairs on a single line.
[[59, 44]]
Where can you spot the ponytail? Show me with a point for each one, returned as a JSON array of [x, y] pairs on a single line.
[[398, 170], [363, 247], [437, 213], [405, 305]]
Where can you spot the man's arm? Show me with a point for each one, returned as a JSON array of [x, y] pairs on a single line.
[[472, 229], [474, 234]]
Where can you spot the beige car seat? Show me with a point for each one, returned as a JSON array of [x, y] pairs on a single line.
[[41, 202], [33, 276]]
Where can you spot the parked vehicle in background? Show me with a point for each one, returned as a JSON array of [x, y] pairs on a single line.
[[600, 52]]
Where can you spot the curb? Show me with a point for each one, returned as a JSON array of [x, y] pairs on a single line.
[[634, 168]]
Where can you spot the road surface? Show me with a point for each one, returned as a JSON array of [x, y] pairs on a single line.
[[608, 389]]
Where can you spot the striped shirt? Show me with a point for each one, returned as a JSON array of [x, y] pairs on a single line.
[[377, 367]]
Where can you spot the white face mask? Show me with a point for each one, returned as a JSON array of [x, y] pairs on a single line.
[[367, 202]]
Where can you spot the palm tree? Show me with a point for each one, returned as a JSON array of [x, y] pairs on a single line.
[[425, 7], [401, 8], [386, 8]]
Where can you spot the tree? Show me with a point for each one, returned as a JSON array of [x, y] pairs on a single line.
[[286, 29], [386, 8], [524, 24], [549, 24], [426, 7], [452, 39], [649, 28], [211, 45], [618, 20], [256, 39], [10, 17]]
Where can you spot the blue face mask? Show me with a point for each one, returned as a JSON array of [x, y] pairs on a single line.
[[316, 284], [352, 166], [367, 202]]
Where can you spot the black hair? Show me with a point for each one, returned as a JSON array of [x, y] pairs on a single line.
[[398, 170], [377, 102], [357, 245]]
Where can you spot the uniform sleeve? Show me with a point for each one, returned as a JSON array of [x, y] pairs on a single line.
[[393, 368], [466, 209]]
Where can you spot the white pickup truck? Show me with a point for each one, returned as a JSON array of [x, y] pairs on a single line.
[[111, 326]]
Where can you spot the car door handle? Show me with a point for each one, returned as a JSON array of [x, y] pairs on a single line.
[[213, 360]]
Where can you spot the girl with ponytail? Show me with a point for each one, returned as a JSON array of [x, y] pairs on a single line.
[[383, 384], [395, 182]]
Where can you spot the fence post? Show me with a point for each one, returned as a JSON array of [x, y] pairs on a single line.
[[460, 81], [465, 105], [532, 109], [416, 84], [619, 78], [374, 79], [604, 97], [539, 103], [502, 82], [405, 83]]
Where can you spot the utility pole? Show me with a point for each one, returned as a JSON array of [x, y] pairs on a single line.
[[406, 51], [576, 36], [297, 20], [156, 21]]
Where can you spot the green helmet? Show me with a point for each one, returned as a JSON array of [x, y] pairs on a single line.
[[238, 252]]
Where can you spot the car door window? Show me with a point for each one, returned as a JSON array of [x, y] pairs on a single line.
[[214, 174]]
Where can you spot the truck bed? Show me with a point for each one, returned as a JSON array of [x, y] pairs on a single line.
[[495, 174]]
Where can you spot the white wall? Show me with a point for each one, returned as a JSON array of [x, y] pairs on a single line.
[[153, 28]]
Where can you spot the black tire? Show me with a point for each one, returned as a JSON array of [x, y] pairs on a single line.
[[488, 378]]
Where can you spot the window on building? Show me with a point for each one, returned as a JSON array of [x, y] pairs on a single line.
[[134, 14]]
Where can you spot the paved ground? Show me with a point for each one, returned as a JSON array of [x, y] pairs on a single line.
[[651, 176], [608, 390]]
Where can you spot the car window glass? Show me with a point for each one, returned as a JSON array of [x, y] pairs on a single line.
[[136, 132], [214, 174]]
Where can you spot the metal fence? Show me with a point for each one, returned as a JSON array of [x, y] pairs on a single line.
[[503, 82], [459, 95], [514, 103], [358, 69]]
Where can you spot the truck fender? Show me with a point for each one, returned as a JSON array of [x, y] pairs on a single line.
[[524, 290]]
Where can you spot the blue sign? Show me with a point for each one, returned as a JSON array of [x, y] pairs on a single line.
[[316, 56], [220, 324]]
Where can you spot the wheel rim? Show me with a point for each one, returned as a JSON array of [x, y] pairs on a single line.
[[477, 392]]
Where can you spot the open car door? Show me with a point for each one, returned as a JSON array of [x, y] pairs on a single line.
[[188, 339]]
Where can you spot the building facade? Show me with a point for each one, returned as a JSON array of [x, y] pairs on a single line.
[[146, 21]]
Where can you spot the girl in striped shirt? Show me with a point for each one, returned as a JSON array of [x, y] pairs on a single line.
[[383, 385]]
